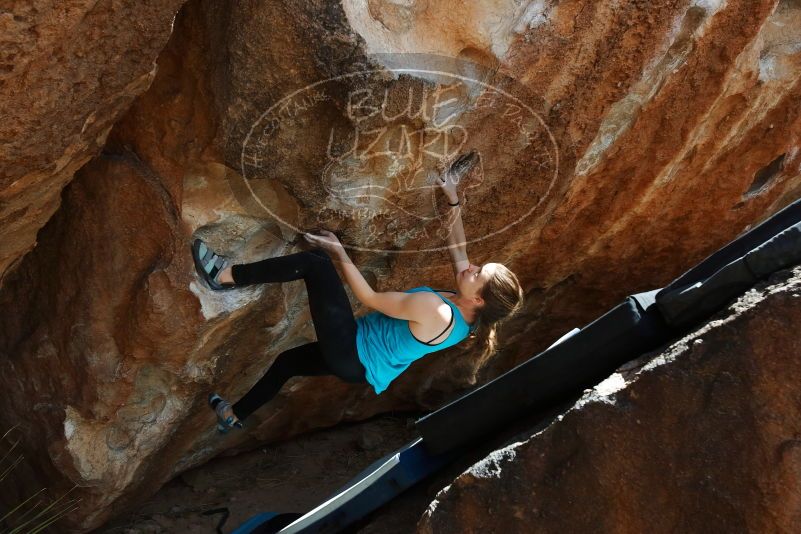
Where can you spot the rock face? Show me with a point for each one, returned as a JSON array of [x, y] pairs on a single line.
[[704, 436], [620, 143], [68, 71]]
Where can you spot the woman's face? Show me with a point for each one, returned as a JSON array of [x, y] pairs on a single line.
[[472, 279]]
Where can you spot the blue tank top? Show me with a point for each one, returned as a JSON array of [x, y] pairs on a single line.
[[386, 345]]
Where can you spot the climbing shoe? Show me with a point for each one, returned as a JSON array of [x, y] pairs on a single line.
[[209, 265], [220, 406]]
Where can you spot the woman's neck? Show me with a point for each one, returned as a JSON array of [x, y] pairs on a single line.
[[466, 307]]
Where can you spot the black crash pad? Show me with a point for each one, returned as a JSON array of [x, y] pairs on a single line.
[[708, 287], [737, 248], [579, 362]]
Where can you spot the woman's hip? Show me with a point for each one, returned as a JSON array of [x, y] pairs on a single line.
[[343, 360]]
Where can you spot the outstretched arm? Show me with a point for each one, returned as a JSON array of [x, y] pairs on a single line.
[[457, 243], [354, 278], [331, 244], [400, 305]]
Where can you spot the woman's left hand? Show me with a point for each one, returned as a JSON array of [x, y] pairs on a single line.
[[327, 241]]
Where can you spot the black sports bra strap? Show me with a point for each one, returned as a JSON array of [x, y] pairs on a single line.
[[450, 291], [446, 329]]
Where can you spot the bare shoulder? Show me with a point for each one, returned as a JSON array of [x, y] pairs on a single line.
[[433, 320], [430, 308], [418, 306], [428, 301]]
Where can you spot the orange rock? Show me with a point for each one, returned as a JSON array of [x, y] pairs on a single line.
[[619, 145], [67, 73]]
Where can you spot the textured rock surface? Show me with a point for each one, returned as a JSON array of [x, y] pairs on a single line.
[[703, 436], [68, 71], [674, 126]]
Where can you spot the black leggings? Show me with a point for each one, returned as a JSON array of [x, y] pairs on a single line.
[[334, 352]]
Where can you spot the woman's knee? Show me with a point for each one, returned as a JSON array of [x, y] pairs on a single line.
[[321, 254], [320, 261]]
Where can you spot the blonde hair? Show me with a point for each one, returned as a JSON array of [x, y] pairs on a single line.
[[503, 297]]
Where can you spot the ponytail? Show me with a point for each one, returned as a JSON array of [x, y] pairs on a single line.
[[503, 297]]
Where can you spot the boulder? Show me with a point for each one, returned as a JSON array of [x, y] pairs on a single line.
[[620, 143], [68, 72]]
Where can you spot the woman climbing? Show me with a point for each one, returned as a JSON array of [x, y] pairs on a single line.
[[379, 346]]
